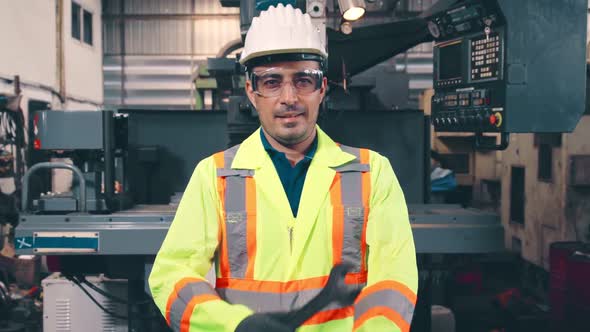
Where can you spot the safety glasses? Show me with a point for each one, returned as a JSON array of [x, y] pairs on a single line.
[[270, 82]]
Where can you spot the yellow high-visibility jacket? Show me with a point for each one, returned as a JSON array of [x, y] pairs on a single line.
[[235, 214]]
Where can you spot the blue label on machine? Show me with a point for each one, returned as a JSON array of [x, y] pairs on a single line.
[[66, 242], [63, 242]]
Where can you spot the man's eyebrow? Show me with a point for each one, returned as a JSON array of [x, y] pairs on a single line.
[[273, 75]]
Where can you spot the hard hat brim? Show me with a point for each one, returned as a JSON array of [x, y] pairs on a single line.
[[260, 54]]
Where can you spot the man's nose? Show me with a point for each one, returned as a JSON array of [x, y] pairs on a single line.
[[288, 94]]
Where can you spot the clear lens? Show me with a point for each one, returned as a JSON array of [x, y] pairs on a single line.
[[270, 82]]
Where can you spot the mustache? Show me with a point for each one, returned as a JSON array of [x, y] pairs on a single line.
[[289, 109]]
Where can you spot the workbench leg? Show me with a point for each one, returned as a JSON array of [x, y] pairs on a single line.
[[422, 320], [137, 320]]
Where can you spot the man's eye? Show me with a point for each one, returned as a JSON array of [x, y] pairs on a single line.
[[271, 83], [304, 82]]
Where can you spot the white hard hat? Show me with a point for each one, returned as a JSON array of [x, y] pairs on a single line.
[[282, 30]]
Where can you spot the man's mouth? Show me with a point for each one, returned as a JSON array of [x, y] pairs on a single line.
[[289, 116]]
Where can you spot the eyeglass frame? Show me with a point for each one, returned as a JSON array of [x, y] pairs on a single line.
[[253, 76]]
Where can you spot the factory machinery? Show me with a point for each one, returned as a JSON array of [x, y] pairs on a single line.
[[499, 67]]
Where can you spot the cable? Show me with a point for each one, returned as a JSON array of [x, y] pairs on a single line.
[[95, 301], [49, 89], [109, 295], [103, 292]]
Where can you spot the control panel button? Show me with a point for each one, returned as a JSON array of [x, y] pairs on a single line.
[[498, 117], [493, 119]]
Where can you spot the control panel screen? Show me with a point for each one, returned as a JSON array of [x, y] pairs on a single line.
[[449, 58], [485, 57]]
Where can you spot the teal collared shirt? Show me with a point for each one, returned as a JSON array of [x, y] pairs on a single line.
[[292, 177]]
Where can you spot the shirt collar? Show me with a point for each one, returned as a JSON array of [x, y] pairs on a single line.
[[271, 151], [252, 155]]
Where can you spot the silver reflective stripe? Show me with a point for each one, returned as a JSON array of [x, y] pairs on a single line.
[[353, 218], [354, 212], [235, 213], [386, 298], [184, 297], [268, 302], [229, 155], [271, 302]]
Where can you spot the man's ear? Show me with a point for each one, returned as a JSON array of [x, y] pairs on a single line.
[[250, 93], [324, 87]]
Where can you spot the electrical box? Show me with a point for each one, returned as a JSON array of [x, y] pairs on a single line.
[[68, 130], [67, 308]]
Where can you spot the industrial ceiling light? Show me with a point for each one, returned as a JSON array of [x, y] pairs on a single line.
[[352, 10]]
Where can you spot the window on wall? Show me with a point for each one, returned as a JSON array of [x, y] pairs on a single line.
[[76, 28], [545, 163], [87, 22], [545, 143], [81, 24], [517, 194]]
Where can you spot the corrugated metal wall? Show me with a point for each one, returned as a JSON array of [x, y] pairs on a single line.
[[153, 47], [417, 64]]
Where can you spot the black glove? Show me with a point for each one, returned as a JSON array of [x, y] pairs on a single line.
[[335, 290], [269, 322]]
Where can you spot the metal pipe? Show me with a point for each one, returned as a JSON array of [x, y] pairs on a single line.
[[61, 74], [108, 122], [53, 165], [122, 49], [229, 47]]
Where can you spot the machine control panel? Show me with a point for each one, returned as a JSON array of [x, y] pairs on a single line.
[[469, 68], [470, 110], [500, 66]]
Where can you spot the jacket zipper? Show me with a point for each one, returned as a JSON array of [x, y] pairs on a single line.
[[291, 238]]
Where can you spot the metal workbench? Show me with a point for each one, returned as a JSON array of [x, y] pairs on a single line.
[[140, 230]]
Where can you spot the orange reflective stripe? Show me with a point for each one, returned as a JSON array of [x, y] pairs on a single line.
[[271, 286], [286, 286], [219, 159], [337, 219], [356, 278], [223, 256], [383, 312], [329, 315], [250, 225], [366, 188], [174, 295], [388, 284], [185, 323]]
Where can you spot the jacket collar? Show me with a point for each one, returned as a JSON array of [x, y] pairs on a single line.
[[252, 155]]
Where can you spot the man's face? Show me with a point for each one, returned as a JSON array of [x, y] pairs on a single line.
[[286, 103]]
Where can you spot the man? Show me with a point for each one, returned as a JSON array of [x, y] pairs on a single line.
[[277, 212]]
